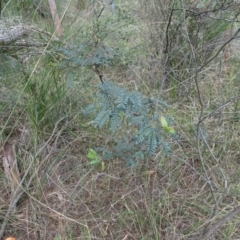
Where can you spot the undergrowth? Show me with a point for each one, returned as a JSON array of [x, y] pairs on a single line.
[[53, 109]]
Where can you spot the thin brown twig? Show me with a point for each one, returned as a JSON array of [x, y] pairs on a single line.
[[220, 222], [220, 49]]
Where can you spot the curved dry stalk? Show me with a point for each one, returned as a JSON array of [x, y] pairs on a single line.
[[219, 223]]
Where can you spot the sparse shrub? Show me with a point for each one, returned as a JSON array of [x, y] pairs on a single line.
[[133, 121], [191, 34]]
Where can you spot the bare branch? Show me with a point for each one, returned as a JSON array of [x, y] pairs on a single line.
[[219, 223]]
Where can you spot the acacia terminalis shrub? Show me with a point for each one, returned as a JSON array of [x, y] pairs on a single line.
[[133, 121]]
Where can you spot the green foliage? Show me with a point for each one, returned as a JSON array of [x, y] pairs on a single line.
[[133, 121], [93, 157]]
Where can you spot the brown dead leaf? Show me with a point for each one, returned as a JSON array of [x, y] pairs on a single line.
[[10, 238], [10, 165]]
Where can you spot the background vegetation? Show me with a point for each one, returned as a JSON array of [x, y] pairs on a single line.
[[154, 83]]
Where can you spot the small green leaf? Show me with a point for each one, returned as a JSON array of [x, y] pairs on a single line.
[[102, 166], [169, 129], [94, 162], [164, 123], [92, 155]]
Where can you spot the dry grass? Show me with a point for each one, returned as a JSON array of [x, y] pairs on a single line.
[[166, 199]]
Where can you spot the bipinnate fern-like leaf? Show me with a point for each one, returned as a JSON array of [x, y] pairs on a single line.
[[110, 90], [115, 121], [152, 143], [89, 109], [142, 135], [126, 99], [139, 138], [165, 148], [135, 100], [121, 101], [101, 118], [137, 120]]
